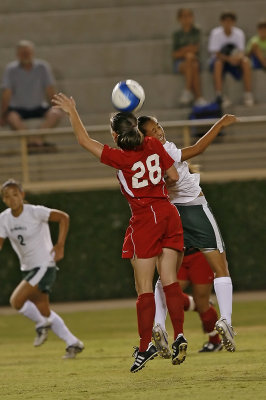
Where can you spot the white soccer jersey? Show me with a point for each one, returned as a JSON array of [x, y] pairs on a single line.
[[187, 187], [29, 235]]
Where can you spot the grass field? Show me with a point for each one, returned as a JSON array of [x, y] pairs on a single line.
[[101, 372]]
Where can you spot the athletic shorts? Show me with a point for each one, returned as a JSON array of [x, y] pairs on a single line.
[[154, 227], [195, 269], [234, 70], [44, 277], [256, 64], [37, 112], [200, 227]]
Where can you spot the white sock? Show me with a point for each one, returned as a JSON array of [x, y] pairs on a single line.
[[30, 311], [160, 305], [61, 330], [224, 292], [192, 304]]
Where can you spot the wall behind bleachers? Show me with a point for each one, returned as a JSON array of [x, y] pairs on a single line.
[[91, 44]]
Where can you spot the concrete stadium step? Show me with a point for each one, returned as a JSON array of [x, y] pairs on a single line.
[[134, 22], [6, 6]]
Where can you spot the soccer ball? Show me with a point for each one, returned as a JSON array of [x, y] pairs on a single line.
[[128, 96]]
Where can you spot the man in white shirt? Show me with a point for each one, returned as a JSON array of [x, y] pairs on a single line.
[[227, 46]]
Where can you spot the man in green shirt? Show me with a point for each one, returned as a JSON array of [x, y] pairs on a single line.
[[186, 46]]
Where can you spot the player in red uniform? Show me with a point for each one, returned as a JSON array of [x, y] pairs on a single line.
[[196, 271], [155, 233]]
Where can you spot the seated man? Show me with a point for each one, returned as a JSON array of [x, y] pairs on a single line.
[[256, 47], [28, 87], [226, 46], [186, 47]]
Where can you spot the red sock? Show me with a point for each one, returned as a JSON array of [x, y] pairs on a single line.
[[175, 305], [145, 313], [186, 301], [208, 319]]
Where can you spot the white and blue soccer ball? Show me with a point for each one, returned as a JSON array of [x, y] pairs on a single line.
[[128, 96]]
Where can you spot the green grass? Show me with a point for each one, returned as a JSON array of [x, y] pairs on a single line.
[[101, 372]]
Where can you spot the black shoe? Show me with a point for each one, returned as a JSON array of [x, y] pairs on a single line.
[[209, 347], [141, 358], [179, 350]]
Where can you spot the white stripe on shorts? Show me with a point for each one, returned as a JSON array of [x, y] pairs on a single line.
[[38, 276], [214, 225]]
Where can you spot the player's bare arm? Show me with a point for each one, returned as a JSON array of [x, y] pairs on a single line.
[[172, 175], [68, 105], [63, 220], [207, 139]]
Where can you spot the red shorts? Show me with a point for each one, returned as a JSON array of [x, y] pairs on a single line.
[[195, 269], [154, 227]]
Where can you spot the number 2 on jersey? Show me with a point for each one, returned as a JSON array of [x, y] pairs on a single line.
[[21, 240], [155, 172]]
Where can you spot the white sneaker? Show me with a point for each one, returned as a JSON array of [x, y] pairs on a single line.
[[42, 334], [227, 333], [200, 102], [160, 338], [74, 349], [186, 98], [248, 99]]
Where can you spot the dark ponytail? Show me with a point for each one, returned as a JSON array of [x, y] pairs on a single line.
[[125, 126], [142, 121]]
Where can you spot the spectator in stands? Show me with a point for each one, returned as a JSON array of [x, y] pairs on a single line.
[[186, 47], [256, 47], [28, 87], [227, 46]]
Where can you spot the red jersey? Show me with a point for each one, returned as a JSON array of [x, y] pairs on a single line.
[[140, 171]]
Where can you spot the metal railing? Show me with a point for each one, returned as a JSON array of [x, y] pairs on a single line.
[[80, 183]]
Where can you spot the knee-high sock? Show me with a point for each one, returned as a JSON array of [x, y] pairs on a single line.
[[145, 312], [160, 305], [175, 305], [189, 303], [61, 330], [30, 311], [224, 292], [208, 319]]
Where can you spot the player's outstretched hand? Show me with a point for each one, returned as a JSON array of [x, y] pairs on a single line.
[[63, 102], [228, 119]]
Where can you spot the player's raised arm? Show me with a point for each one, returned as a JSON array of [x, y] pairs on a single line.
[[207, 139], [68, 105]]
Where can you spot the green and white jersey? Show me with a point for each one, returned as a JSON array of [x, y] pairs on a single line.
[[187, 187], [29, 235]]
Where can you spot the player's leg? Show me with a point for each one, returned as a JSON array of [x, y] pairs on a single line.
[[224, 292], [144, 272], [208, 316], [167, 262]]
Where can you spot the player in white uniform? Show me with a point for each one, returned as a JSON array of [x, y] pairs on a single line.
[[26, 226], [200, 228]]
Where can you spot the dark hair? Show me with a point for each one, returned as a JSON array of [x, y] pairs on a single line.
[[228, 14], [181, 10], [11, 182], [142, 121], [124, 124], [261, 24]]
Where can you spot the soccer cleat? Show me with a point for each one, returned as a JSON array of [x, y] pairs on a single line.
[[160, 338], [227, 333], [42, 334], [179, 350], [209, 347], [73, 350], [141, 358]]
